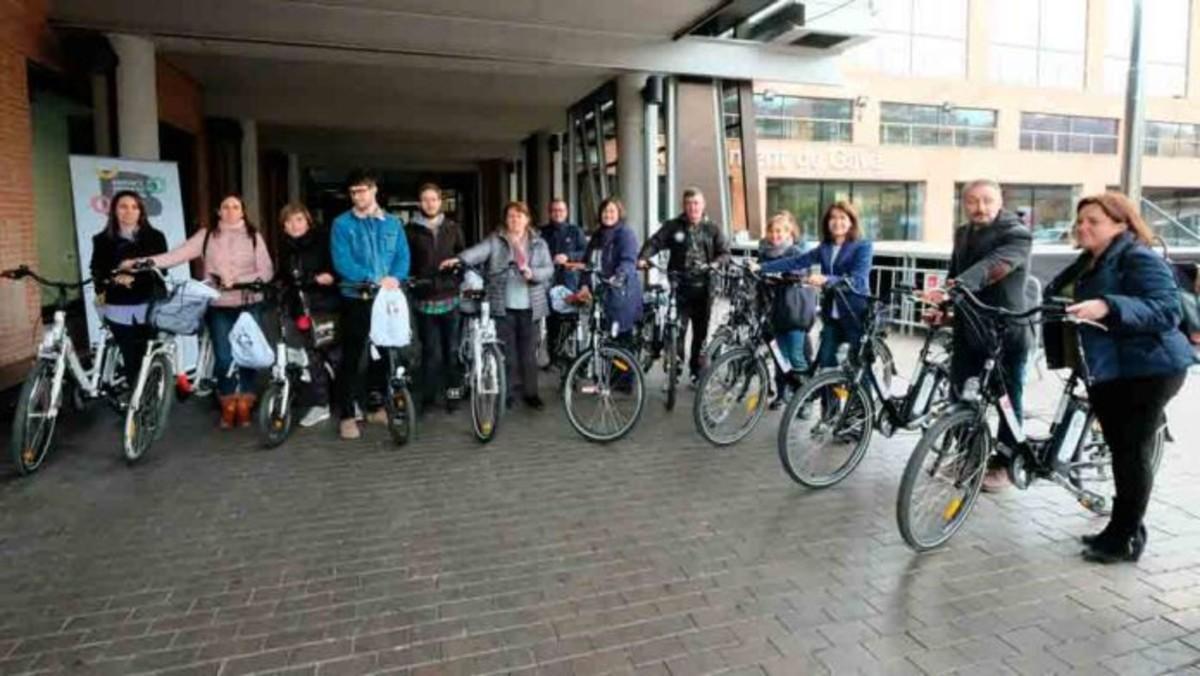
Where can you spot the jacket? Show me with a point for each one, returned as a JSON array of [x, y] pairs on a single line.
[[427, 249], [853, 262], [496, 252], [794, 306], [368, 248], [108, 252], [993, 262], [1143, 337], [618, 249], [301, 259], [567, 239], [229, 253], [676, 235]]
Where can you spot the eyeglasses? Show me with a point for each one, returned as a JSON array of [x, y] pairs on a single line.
[[358, 190]]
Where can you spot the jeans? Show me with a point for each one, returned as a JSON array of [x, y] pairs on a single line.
[[695, 307], [793, 345], [131, 340], [965, 363], [440, 367], [833, 336], [220, 323], [351, 385], [1130, 411], [519, 333]]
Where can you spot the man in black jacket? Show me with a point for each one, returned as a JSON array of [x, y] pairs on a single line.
[[567, 243], [693, 242], [433, 238], [991, 258]]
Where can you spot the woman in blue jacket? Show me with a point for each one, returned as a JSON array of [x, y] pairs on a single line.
[[842, 255], [1135, 367], [617, 247]]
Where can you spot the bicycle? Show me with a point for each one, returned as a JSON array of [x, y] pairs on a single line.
[[735, 284], [482, 355], [658, 334], [732, 393], [953, 452], [398, 401], [56, 367], [853, 402], [604, 389]]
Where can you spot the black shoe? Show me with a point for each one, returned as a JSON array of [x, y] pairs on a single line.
[[1106, 556], [535, 402]]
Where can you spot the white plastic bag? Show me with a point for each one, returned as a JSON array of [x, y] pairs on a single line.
[[390, 325], [249, 346]]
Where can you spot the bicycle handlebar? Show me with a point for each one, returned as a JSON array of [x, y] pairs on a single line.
[[23, 271]]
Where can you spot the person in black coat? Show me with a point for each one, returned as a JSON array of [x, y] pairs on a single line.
[[305, 263], [124, 298]]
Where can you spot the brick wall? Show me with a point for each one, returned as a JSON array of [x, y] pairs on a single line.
[[23, 37]]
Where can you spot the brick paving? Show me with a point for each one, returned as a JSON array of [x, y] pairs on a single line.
[[542, 555]]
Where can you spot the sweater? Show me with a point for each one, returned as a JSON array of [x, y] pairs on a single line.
[[230, 254]]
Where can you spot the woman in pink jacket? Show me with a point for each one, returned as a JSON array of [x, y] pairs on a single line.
[[232, 251]]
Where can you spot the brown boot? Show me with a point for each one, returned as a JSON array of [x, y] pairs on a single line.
[[245, 404], [229, 405]]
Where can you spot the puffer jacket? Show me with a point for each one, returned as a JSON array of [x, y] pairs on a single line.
[[1143, 337], [496, 252]]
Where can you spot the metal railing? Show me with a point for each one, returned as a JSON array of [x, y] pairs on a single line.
[[1172, 230], [1068, 142]]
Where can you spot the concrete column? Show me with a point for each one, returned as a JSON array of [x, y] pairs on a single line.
[[631, 151], [543, 174], [558, 188], [101, 115], [137, 97], [293, 177], [978, 43], [250, 171], [1093, 57]]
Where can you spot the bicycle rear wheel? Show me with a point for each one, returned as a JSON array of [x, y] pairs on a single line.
[[731, 397], [33, 426], [604, 394], [942, 479], [146, 418], [825, 430], [488, 394]]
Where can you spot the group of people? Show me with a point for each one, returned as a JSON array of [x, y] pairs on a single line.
[[1135, 367]]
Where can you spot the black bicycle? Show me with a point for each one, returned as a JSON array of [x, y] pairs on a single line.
[[398, 402], [943, 477], [659, 334]]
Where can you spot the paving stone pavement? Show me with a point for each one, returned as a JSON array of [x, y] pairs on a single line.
[[543, 555]]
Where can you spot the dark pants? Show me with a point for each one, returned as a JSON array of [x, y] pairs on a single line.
[[519, 333], [695, 308], [351, 383], [965, 363], [318, 390], [440, 367], [131, 340], [833, 336], [1130, 411], [220, 323]]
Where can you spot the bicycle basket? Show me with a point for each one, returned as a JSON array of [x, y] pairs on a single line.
[[182, 311]]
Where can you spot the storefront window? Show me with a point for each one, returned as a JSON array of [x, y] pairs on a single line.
[[887, 211]]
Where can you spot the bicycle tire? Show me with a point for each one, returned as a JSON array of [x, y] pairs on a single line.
[[276, 416], [485, 415], [732, 394], [144, 422], [885, 364], [602, 384], [28, 446], [398, 404], [974, 462], [810, 396], [671, 365]]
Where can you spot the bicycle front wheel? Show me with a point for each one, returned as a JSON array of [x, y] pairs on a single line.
[[33, 424], [276, 416], [671, 365], [604, 394], [826, 430], [488, 393], [146, 418], [731, 397], [942, 479]]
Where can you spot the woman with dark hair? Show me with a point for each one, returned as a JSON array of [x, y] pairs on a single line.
[[518, 269], [842, 256], [124, 298], [617, 246], [232, 252], [1135, 367]]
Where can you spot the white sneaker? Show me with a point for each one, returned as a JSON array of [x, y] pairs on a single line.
[[315, 416]]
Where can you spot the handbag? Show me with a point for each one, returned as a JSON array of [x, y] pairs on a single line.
[[391, 324], [248, 344]]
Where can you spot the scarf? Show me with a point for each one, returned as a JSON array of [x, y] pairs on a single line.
[[770, 251]]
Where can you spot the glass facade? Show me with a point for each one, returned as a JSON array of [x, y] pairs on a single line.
[[1165, 26], [1049, 210], [1038, 43], [1172, 139], [802, 119], [887, 211], [919, 38], [918, 125], [1068, 134]]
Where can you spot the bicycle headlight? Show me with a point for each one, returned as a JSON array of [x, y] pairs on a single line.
[[971, 389]]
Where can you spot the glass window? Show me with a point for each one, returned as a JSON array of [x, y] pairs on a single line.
[[1165, 38], [1038, 43], [1172, 139], [1049, 210], [923, 125], [804, 119], [887, 211], [1068, 134], [920, 38]]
